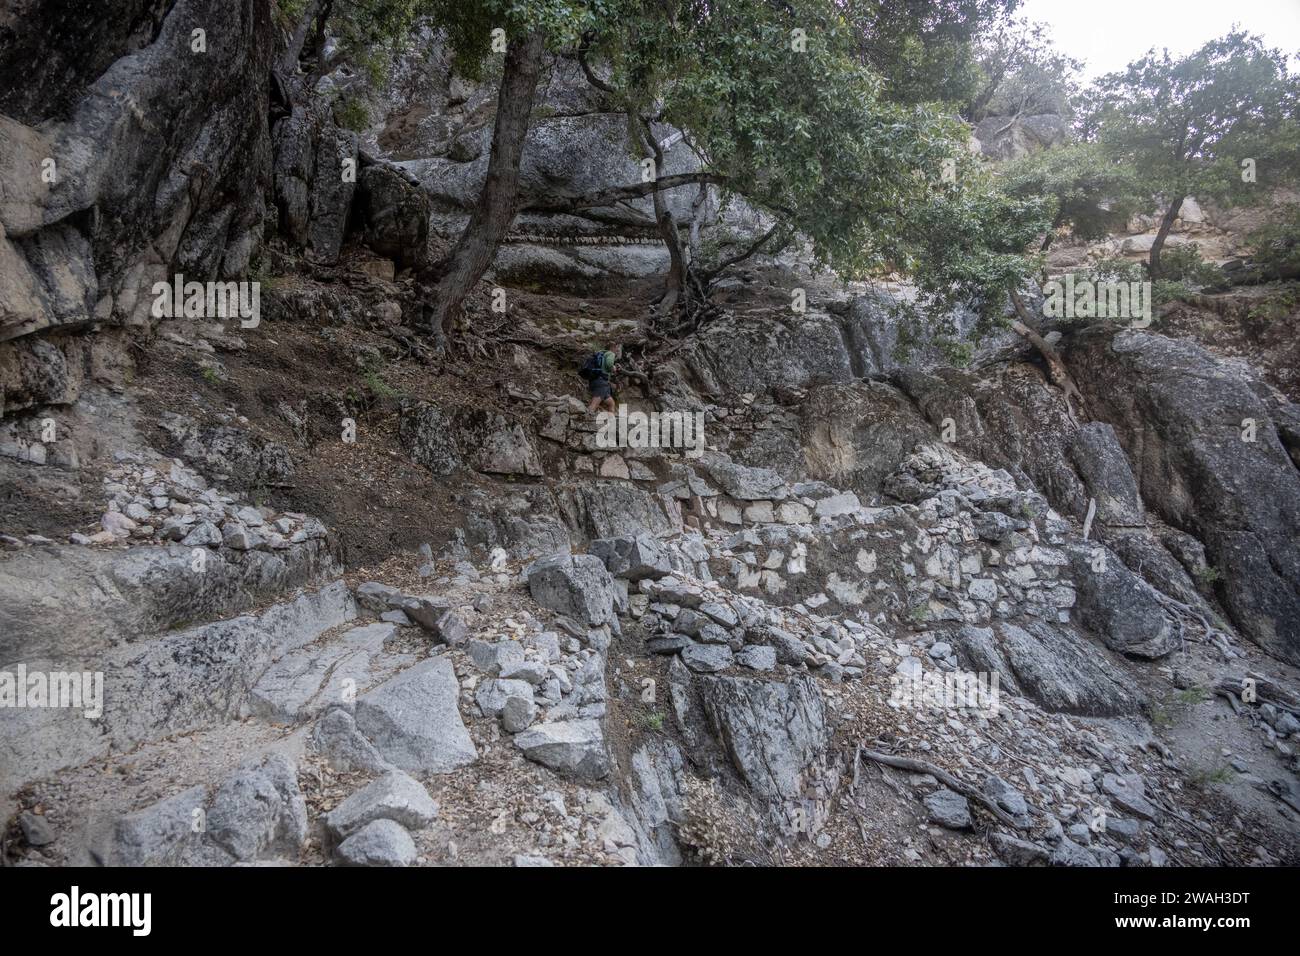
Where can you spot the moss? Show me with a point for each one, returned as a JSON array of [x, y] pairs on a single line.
[[351, 113], [1208, 576], [1203, 777]]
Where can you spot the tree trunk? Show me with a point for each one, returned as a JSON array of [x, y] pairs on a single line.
[[495, 210], [298, 39], [1056, 368], [675, 284], [698, 209], [1167, 223]]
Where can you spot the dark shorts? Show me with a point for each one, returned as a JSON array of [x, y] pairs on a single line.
[[600, 388]]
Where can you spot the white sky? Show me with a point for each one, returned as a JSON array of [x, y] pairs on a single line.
[[1109, 34]]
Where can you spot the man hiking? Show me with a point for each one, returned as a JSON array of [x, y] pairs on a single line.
[[598, 370]]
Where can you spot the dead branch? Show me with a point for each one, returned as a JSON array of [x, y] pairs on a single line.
[[1057, 370]]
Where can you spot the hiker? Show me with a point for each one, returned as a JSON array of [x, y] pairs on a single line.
[[597, 371]]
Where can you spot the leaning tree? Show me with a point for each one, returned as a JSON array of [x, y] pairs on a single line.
[[1217, 124], [517, 34], [777, 109]]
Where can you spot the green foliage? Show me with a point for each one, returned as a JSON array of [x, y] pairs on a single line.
[[1021, 73], [1208, 576], [377, 386], [370, 32], [260, 493], [1184, 273], [1164, 126], [1092, 193], [1275, 247], [1203, 777], [808, 135], [1183, 264], [469, 24], [1172, 708], [1162, 717], [966, 244], [958, 354], [350, 112], [1184, 125], [1192, 695], [924, 50], [291, 11], [1278, 305], [1110, 269]]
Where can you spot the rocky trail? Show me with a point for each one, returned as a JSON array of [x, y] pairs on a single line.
[[613, 659]]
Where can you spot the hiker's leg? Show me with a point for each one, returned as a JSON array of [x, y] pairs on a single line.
[[595, 403], [611, 405]]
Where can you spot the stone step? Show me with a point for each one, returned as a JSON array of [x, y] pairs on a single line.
[[75, 603], [307, 681], [184, 681]]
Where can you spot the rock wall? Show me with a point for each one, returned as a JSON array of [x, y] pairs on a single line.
[[140, 159]]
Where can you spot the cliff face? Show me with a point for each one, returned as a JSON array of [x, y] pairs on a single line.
[[135, 148], [366, 577]]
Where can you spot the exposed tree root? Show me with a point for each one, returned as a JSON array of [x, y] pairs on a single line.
[[947, 779]]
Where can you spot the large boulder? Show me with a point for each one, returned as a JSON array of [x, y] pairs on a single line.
[[577, 585], [774, 351], [392, 214], [882, 336], [307, 681], [230, 455], [1049, 664], [259, 810], [855, 435], [395, 796], [162, 155], [162, 834], [744, 482], [496, 444], [1117, 605], [67, 601], [574, 747], [1104, 469], [1008, 417], [414, 719], [379, 843], [632, 558], [483, 439], [527, 522], [1209, 447], [428, 436], [312, 192], [187, 680], [657, 798], [774, 733], [616, 509]]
